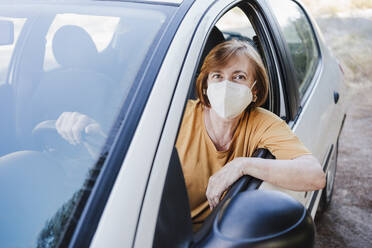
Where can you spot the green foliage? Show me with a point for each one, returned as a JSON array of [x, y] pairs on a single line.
[[302, 48], [54, 228]]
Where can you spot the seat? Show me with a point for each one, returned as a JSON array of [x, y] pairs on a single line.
[[215, 37], [76, 85]]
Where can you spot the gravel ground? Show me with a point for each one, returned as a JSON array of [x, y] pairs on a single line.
[[348, 221]]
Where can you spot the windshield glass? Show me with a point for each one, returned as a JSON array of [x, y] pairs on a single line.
[[65, 72]]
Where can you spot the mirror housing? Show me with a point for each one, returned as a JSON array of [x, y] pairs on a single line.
[[7, 32], [261, 218]]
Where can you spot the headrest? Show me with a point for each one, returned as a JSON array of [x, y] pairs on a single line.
[[215, 37], [73, 47]]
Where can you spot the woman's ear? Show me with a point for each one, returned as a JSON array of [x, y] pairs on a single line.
[[254, 93], [254, 98]]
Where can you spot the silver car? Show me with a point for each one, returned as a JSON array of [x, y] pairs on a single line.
[[126, 69]]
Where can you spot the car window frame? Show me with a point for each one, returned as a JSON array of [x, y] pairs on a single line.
[[252, 10], [192, 75], [275, 47], [260, 30]]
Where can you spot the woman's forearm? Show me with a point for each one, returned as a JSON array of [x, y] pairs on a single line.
[[300, 174]]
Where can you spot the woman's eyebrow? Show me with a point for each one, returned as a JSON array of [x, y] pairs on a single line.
[[238, 71]]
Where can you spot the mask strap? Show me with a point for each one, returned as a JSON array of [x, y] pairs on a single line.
[[254, 97], [253, 84]]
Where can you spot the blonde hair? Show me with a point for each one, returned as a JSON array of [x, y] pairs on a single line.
[[220, 55]]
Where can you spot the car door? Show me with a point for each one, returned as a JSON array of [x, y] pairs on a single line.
[[285, 96], [318, 83]]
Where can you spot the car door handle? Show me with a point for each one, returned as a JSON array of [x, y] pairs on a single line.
[[336, 96]]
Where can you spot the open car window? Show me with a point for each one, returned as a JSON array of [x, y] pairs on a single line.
[[174, 209], [236, 25]]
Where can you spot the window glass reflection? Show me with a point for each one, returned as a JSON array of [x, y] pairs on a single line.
[[6, 51], [69, 74], [300, 39]]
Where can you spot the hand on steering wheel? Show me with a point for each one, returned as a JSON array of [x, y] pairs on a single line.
[[77, 128], [73, 126]]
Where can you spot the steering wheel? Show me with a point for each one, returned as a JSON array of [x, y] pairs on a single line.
[[46, 138]]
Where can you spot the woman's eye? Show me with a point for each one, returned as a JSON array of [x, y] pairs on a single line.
[[240, 77], [216, 76]]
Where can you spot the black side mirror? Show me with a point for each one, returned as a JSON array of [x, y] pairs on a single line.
[[7, 32], [261, 218]]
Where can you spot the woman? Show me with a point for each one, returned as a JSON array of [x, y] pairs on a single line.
[[225, 125]]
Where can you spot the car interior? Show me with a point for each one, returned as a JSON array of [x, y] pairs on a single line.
[[38, 150], [80, 80], [93, 80], [64, 85]]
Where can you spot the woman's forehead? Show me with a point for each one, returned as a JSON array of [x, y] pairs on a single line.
[[236, 63]]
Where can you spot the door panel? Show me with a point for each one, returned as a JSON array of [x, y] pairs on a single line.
[[318, 77]]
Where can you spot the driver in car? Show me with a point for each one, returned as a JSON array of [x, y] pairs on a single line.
[[225, 125], [221, 130]]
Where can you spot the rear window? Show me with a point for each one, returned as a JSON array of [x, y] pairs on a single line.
[[301, 41], [63, 80]]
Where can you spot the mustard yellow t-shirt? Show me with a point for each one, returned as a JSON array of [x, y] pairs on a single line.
[[200, 159]]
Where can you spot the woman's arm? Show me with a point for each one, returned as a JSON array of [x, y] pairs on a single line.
[[303, 173], [300, 174]]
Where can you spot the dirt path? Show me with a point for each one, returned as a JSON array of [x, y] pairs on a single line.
[[348, 221]]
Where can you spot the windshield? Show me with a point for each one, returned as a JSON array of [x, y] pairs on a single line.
[[65, 72]]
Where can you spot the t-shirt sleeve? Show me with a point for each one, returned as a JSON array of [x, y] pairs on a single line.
[[280, 140]]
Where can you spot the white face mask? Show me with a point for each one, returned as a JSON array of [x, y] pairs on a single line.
[[229, 99]]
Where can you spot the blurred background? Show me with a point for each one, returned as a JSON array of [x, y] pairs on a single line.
[[347, 28]]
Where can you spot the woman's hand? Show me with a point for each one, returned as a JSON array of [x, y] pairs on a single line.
[[222, 180], [77, 128]]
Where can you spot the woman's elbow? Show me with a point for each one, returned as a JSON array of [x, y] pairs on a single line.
[[320, 180], [316, 178]]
